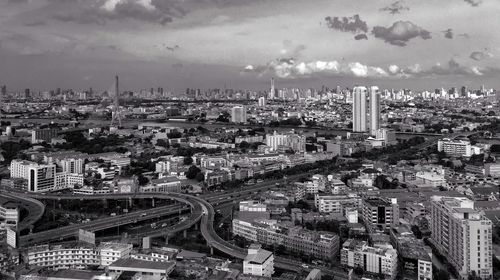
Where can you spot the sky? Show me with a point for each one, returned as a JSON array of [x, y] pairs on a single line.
[[176, 44]]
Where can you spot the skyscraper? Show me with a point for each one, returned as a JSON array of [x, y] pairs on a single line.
[[374, 110], [462, 235], [262, 101], [272, 92], [359, 121], [239, 114]]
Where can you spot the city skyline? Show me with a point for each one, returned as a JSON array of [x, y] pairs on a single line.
[[178, 44]]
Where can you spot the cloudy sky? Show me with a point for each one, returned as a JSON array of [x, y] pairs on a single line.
[[242, 43]]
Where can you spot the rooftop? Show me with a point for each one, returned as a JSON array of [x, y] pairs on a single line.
[[258, 258], [141, 264]]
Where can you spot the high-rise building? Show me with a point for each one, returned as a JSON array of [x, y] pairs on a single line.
[[359, 112], [366, 109], [272, 91], [463, 235], [374, 109], [262, 101], [239, 114]]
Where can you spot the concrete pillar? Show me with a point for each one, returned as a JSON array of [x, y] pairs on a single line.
[[105, 203], [211, 250], [130, 202], [153, 202], [166, 239], [196, 226], [184, 233]]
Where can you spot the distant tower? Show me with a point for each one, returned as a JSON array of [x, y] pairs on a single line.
[[116, 115], [271, 93], [3, 92]]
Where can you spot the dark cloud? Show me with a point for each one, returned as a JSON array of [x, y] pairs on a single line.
[[474, 3], [35, 23], [352, 24], [396, 7], [172, 48], [361, 37], [448, 33], [480, 55], [400, 33]]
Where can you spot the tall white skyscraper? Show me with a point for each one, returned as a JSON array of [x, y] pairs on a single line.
[[463, 235], [359, 120], [374, 109], [239, 114]]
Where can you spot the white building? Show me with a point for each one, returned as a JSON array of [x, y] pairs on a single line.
[[374, 109], [258, 262], [252, 206], [239, 114], [9, 214], [463, 235], [376, 260], [262, 101], [335, 203], [458, 148], [72, 165], [110, 252]]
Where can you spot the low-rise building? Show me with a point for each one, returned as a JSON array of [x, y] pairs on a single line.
[[375, 260], [258, 262]]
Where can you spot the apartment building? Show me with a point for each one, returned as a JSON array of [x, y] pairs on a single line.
[[316, 244], [375, 260], [463, 235]]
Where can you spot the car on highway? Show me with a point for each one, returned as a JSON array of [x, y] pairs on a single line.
[[143, 214]]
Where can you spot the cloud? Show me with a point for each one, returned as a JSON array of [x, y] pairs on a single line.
[[289, 68], [448, 33], [35, 23], [396, 7], [361, 37], [290, 49], [352, 24], [474, 3], [153, 11], [464, 35], [400, 33], [479, 55]]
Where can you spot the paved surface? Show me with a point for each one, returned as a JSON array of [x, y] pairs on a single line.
[[34, 207]]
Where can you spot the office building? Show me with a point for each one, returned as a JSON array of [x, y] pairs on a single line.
[[374, 260], [239, 114], [380, 214], [462, 235], [258, 262], [43, 177], [359, 110]]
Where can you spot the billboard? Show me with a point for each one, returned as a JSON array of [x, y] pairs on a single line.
[[86, 236]]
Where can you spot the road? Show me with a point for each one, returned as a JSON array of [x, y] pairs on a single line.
[[100, 224], [34, 207]]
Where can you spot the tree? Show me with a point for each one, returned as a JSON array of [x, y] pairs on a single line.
[[188, 160], [162, 143], [200, 177], [192, 172], [142, 180], [244, 145]]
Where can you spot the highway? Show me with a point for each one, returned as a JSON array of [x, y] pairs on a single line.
[[34, 207], [100, 224]]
